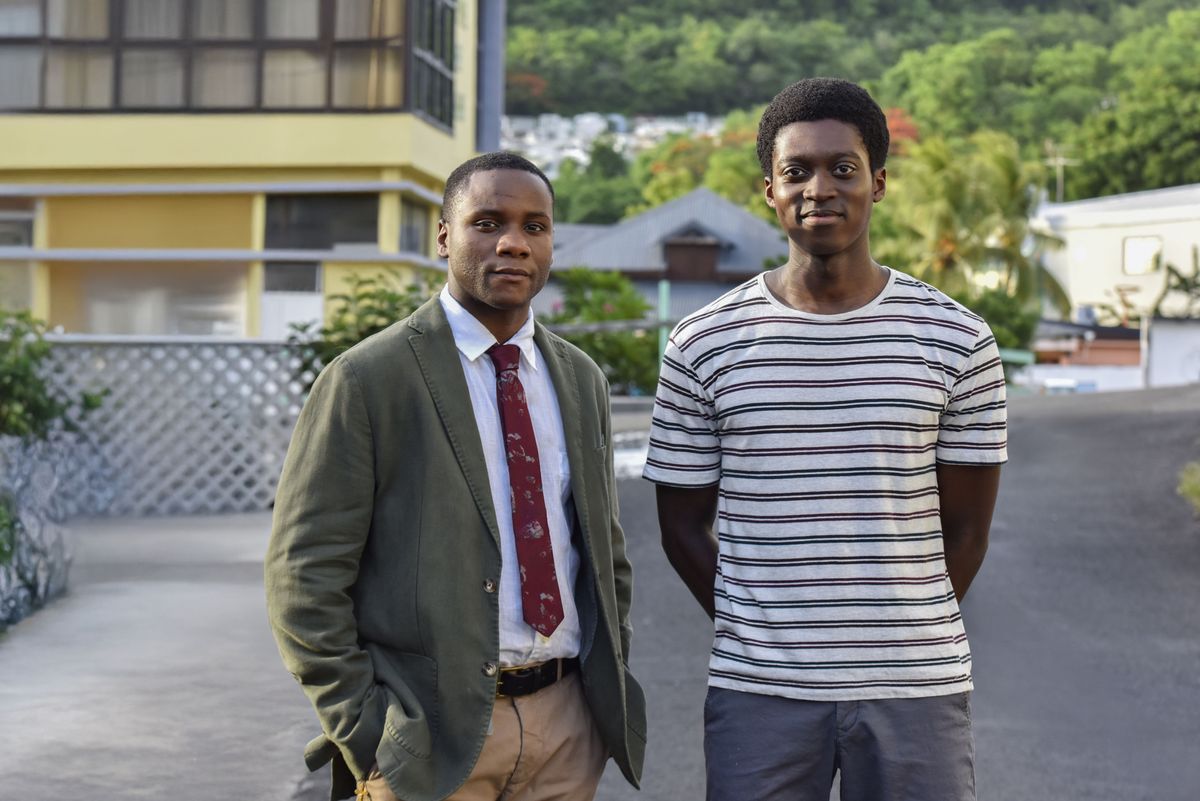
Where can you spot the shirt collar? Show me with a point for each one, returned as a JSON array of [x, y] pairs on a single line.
[[473, 339]]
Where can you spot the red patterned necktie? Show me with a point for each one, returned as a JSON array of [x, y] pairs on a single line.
[[535, 556]]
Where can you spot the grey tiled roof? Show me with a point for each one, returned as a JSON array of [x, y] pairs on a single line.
[[636, 243]]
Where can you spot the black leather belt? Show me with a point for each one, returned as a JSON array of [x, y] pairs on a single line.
[[517, 681]]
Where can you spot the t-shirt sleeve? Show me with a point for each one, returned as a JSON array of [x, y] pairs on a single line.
[[974, 426], [684, 448]]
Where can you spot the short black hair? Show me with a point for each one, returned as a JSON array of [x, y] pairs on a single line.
[[500, 160], [814, 99]]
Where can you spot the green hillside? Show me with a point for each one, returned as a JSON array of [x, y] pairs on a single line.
[[1114, 87]]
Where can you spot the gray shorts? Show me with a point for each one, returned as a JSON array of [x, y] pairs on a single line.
[[767, 748]]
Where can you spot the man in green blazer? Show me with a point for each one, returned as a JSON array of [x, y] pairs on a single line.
[[446, 576]]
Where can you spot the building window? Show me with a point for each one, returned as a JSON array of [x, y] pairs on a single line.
[[151, 79], [16, 223], [292, 277], [292, 19], [321, 222], [77, 19], [414, 227], [223, 78], [79, 78], [293, 79], [20, 18], [433, 59], [1141, 254], [153, 19], [228, 55], [223, 19], [367, 19], [20, 73]]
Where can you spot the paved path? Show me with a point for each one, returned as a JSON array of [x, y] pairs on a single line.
[[157, 675]]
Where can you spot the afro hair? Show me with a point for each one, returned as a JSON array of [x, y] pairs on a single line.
[[814, 99]]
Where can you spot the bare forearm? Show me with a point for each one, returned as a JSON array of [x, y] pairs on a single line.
[[967, 496], [685, 517], [964, 556], [694, 557]]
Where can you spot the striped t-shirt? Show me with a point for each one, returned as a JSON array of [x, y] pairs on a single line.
[[824, 432]]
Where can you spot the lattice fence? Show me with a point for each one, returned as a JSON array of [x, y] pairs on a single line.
[[189, 426]]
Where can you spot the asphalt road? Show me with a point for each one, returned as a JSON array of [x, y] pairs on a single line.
[[157, 677], [1084, 622]]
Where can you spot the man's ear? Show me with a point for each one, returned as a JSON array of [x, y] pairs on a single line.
[[880, 181], [442, 251], [768, 191]]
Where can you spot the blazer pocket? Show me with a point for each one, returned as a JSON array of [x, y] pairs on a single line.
[[412, 707]]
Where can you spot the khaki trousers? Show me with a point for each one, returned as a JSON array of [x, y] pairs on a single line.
[[541, 747]]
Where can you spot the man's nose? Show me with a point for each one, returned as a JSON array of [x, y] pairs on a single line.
[[820, 186], [514, 243]]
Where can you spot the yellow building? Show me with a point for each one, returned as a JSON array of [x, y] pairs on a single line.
[[220, 167]]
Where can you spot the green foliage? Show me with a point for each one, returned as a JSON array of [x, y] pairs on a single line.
[[1189, 484], [29, 407], [1147, 133], [599, 194], [8, 530], [1112, 86], [1012, 321], [372, 304], [1186, 285], [628, 358], [957, 212]]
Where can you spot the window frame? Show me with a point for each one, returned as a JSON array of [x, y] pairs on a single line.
[[430, 97]]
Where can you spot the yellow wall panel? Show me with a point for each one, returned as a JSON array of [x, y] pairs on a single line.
[[201, 221]]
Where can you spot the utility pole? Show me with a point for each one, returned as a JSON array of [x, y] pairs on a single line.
[[1059, 162]]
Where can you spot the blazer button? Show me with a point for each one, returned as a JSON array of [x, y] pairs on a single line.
[[489, 585], [489, 669]]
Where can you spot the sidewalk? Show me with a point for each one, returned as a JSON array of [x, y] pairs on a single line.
[[156, 676]]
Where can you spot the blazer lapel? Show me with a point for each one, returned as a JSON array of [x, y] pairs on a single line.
[[566, 387], [433, 343]]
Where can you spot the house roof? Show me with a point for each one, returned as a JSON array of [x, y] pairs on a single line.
[[1170, 202], [636, 243]]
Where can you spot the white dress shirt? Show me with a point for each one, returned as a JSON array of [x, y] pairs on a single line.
[[519, 643]]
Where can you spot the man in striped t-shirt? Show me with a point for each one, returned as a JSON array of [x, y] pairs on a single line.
[[827, 443]]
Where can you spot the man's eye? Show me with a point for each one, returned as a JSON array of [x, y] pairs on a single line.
[[844, 169], [793, 172], [535, 227], [486, 225]]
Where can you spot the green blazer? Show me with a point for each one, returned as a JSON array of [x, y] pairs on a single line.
[[384, 535]]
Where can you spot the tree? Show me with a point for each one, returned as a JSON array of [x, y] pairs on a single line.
[[1148, 134], [629, 359], [373, 304], [599, 193], [957, 210]]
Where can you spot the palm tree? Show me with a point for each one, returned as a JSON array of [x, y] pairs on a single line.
[[958, 217]]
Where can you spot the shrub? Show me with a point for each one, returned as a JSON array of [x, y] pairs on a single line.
[[629, 359], [30, 408], [1189, 484], [373, 303]]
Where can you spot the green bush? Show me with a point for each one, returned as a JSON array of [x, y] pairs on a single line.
[[29, 407], [8, 530], [628, 358], [372, 304], [1189, 484]]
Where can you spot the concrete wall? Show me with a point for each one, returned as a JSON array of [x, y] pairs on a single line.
[[1173, 353]]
